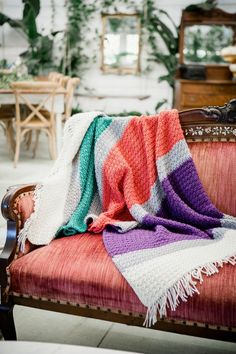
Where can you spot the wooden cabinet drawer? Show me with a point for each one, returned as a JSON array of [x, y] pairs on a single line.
[[196, 94], [209, 88], [201, 99]]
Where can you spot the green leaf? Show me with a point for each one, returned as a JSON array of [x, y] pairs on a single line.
[[160, 104], [13, 23], [30, 12], [35, 4]]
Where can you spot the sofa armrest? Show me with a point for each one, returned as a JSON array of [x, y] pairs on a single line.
[[11, 211]]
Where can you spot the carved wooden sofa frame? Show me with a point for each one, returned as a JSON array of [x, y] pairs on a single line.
[[208, 124]]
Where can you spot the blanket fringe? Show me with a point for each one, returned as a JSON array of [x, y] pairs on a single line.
[[182, 289], [23, 234]]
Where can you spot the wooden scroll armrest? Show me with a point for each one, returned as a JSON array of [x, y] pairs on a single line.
[[10, 212]]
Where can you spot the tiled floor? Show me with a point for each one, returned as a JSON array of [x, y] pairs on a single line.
[[40, 325]]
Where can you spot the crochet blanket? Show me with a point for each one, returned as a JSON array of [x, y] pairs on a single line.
[[133, 179]]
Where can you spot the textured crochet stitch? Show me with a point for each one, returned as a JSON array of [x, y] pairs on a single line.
[[133, 179]]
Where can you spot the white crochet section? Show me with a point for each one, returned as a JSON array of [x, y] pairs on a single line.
[[51, 195], [162, 282]]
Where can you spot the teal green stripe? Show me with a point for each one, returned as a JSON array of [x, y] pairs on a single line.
[[87, 177]]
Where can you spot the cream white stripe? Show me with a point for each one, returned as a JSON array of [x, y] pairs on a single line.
[[40, 229], [150, 280], [74, 190], [105, 143]]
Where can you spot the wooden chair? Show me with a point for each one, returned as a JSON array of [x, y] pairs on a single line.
[[61, 79], [7, 116], [55, 76], [35, 119], [72, 83]]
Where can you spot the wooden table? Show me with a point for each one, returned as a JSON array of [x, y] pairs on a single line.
[[7, 97]]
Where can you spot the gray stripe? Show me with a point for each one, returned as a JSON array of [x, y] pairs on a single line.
[[95, 209], [228, 221], [105, 143], [131, 259], [219, 232], [124, 226], [151, 206], [173, 159]]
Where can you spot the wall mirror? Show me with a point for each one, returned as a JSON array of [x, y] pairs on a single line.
[[203, 43], [121, 43]]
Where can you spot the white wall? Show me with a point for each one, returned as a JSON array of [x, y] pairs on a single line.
[[120, 92]]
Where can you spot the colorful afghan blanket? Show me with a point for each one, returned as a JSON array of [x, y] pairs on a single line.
[[133, 179]]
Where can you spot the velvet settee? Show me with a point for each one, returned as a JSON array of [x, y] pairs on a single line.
[[75, 275]]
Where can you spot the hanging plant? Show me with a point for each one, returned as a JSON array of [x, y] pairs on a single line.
[[38, 56], [27, 25], [76, 59], [155, 21]]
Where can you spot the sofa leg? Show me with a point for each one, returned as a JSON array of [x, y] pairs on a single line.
[[7, 324]]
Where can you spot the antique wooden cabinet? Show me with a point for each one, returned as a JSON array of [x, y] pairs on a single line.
[[204, 82], [199, 93]]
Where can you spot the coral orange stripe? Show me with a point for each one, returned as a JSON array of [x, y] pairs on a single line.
[[133, 157], [133, 169], [167, 138]]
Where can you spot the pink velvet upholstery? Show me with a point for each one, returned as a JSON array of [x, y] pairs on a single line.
[[216, 166], [25, 206], [77, 269]]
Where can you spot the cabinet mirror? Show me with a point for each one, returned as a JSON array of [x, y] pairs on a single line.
[[203, 43], [203, 34]]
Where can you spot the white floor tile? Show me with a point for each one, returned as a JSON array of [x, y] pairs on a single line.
[[45, 326], [148, 341]]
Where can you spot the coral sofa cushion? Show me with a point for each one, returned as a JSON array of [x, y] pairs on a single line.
[[78, 270]]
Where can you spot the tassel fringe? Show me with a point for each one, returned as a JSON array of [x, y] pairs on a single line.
[[182, 289], [23, 234]]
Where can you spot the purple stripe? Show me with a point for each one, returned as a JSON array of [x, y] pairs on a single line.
[[184, 183], [138, 239], [188, 203]]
